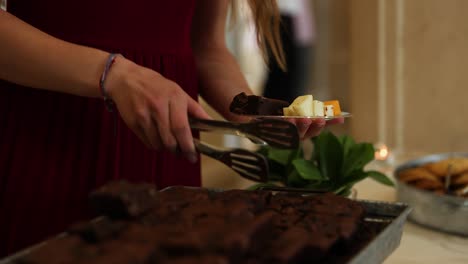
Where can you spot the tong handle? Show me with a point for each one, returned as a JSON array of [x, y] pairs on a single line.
[[239, 129], [205, 124], [206, 149], [273, 132]]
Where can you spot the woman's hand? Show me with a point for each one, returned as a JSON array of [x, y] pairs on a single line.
[[311, 127], [154, 107]]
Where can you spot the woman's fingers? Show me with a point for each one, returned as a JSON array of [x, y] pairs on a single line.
[[308, 127], [155, 108], [180, 127], [337, 120], [302, 125], [196, 110], [149, 136], [144, 129], [315, 127]]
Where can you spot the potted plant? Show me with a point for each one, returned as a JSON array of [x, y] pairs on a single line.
[[335, 164]]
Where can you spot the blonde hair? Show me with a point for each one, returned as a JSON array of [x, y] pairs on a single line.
[[267, 20]]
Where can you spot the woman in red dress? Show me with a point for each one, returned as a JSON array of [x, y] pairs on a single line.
[[58, 141]]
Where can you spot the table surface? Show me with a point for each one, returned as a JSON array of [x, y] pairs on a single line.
[[418, 244]]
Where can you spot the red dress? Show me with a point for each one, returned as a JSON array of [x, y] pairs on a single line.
[[55, 148]]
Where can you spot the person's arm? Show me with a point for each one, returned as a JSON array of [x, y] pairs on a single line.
[[220, 76], [155, 108], [33, 58]]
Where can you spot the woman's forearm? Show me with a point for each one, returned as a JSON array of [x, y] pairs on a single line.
[[33, 58], [220, 76], [221, 79]]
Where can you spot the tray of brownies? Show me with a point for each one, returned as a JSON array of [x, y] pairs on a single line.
[[138, 224]]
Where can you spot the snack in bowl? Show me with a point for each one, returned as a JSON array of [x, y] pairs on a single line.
[[435, 187], [445, 176], [452, 166]]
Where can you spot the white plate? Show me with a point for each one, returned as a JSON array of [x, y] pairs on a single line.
[[342, 115]]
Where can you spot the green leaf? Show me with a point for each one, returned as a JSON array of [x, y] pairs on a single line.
[[347, 142], [282, 156], [358, 156], [353, 178], [263, 150], [278, 161], [380, 177], [297, 154], [345, 191], [330, 155], [307, 170], [323, 185], [295, 180], [260, 185]]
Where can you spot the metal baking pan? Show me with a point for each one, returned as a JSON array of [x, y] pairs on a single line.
[[388, 219], [445, 213], [384, 218]]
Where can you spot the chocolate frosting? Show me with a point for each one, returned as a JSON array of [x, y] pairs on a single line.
[[244, 104]]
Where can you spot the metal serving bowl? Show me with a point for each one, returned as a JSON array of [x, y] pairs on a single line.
[[442, 212]]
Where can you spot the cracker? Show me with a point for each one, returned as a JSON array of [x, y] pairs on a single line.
[[415, 174], [440, 191], [428, 184], [461, 179], [441, 168]]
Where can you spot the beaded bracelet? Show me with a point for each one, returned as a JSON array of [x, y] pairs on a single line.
[[110, 105]]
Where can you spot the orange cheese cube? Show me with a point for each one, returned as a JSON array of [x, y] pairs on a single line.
[[336, 106]]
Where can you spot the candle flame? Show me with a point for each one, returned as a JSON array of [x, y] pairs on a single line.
[[382, 152]]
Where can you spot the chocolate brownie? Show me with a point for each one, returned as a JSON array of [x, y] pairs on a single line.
[[194, 225], [244, 104], [123, 200], [96, 231]]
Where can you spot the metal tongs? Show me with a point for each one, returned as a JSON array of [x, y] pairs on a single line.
[[274, 132], [248, 164]]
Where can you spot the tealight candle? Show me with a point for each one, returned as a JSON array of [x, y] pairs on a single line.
[[381, 152]]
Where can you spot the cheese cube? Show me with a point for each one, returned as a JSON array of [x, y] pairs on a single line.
[[336, 106], [287, 111], [329, 110], [302, 105], [318, 108]]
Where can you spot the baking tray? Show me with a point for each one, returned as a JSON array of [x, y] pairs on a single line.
[[380, 235], [386, 220], [445, 213]]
